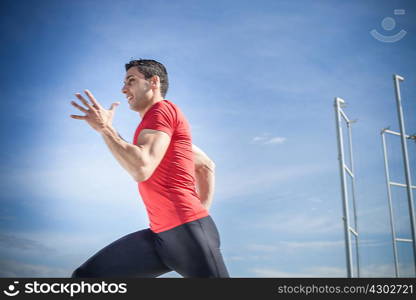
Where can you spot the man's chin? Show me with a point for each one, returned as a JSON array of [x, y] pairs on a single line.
[[134, 107]]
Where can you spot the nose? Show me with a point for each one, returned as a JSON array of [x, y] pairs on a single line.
[[124, 90]]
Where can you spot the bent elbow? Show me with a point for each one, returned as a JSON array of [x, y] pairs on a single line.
[[211, 165], [208, 165], [141, 175]]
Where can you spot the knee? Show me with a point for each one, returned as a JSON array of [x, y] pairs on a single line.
[[80, 273]]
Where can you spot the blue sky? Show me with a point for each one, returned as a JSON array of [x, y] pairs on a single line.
[[257, 82]]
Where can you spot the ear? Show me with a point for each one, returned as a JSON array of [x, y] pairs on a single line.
[[155, 82]]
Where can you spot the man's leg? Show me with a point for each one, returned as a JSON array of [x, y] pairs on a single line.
[[133, 255], [193, 249]]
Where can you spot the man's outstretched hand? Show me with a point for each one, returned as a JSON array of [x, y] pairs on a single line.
[[95, 115]]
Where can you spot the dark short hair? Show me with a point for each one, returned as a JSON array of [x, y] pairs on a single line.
[[149, 68]]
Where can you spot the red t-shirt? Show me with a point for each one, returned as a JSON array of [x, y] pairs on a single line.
[[169, 194]]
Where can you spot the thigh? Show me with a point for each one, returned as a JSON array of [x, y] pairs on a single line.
[[133, 255], [193, 249], [212, 236]]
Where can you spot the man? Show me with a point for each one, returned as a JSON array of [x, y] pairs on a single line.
[[175, 180]]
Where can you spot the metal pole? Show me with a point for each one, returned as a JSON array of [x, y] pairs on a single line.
[[345, 218], [396, 79], [353, 200], [392, 226]]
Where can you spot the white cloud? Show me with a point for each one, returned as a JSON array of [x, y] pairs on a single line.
[[253, 178], [236, 258], [293, 245], [24, 244], [276, 140], [51, 254], [386, 270], [300, 223], [311, 272], [290, 247], [12, 268], [71, 244], [258, 138], [267, 139], [373, 270]]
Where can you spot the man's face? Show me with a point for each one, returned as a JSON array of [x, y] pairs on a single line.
[[137, 89]]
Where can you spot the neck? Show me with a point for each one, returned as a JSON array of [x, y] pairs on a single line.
[[150, 104]]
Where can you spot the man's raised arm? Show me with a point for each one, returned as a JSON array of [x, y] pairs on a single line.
[[139, 160]]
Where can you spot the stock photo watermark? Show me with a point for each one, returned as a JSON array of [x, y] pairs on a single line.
[[70, 289], [389, 24]]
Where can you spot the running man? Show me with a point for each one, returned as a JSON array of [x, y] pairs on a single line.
[[175, 180]]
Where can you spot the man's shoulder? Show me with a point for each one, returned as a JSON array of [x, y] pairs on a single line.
[[171, 107], [169, 103], [177, 112], [162, 107]]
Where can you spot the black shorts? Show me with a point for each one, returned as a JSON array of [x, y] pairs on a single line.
[[191, 249]]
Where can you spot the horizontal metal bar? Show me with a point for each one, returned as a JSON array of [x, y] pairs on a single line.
[[396, 133], [401, 184], [404, 240], [344, 115], [348, 170], [353, 231]]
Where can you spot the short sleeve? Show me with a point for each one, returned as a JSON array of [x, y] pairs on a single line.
[[160, 118]]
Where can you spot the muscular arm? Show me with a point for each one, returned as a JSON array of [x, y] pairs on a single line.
[[205, 176], [139, 160]]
